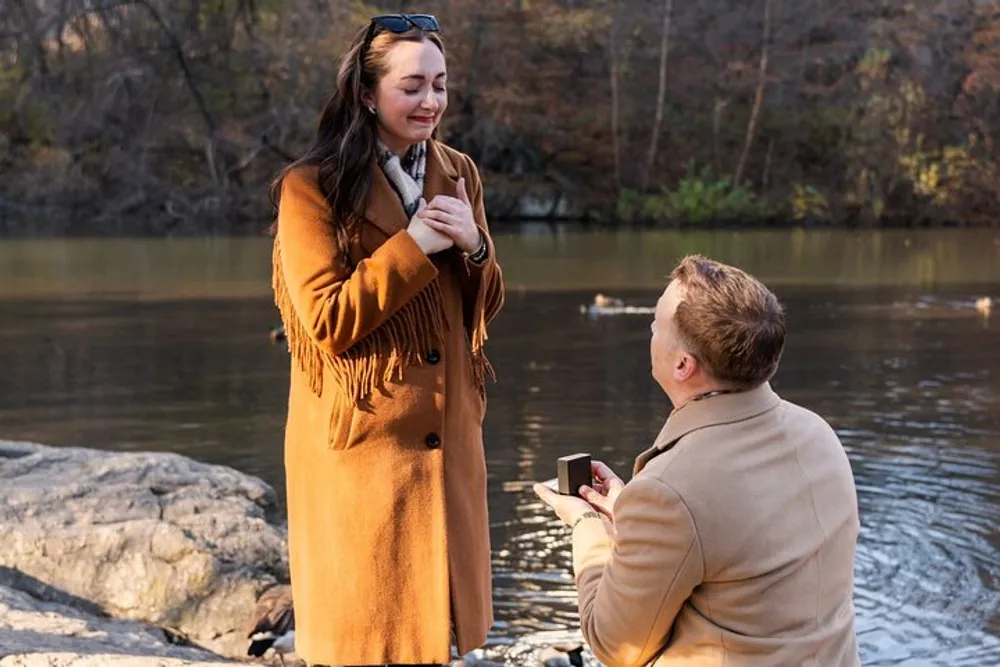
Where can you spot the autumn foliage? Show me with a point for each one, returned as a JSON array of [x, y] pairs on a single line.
[[172, 116]]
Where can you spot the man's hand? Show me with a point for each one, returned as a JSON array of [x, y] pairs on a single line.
[[607, 487], [568, 508]]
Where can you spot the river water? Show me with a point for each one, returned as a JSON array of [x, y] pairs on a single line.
[[163, 345]]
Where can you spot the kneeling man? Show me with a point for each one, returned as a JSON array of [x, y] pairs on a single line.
[[733, 545]]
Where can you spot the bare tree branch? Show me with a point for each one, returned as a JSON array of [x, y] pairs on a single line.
[[613, 66], [758, 95], [654, 138]]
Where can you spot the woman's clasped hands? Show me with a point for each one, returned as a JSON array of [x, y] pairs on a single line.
[[445, 221]]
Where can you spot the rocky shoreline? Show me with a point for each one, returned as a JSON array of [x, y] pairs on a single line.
[[130, 558], [138, 559], [46, 634]]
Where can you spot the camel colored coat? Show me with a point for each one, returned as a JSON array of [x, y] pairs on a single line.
[[734, 548], [386, 475]]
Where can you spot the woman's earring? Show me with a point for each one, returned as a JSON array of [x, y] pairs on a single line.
[[371, 109]]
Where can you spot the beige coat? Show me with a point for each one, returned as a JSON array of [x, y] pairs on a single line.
[[735, 544], [386, 475]]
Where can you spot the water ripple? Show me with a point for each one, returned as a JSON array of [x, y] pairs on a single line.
[[910, 381]]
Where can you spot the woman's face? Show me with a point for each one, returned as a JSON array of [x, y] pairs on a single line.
[[412, 95]]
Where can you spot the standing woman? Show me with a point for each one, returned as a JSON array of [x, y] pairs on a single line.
[[385, 276]]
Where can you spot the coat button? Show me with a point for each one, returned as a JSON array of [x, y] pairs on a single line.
[[433, 357], [432, 440]]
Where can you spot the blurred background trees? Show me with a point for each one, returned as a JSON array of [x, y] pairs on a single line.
[[172, 116]]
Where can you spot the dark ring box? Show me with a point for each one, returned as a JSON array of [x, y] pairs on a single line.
[[574, 472]]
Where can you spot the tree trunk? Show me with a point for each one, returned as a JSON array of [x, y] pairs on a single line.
[[474, 57], [178, 51], [758, 96], [720, 106], [613, 73], [660, 94]]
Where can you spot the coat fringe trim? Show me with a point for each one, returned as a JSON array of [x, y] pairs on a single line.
[[382, 355], [481, 367]]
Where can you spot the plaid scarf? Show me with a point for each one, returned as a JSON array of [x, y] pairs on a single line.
[[406, 175]]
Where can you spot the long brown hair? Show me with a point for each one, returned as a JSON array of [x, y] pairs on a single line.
[[345, 146]]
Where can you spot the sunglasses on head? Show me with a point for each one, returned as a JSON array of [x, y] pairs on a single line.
[[401, 23]]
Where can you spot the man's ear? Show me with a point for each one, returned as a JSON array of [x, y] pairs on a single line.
[[686, 367]]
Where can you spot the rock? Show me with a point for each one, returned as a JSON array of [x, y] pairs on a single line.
[[562, 656], [151, 537], [475, 658], [49, 634]]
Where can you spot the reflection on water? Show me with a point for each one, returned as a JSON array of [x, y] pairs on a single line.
[[909, 377], [910, 382], [541, 258]]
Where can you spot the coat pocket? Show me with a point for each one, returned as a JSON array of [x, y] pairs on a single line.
[[341, 431]]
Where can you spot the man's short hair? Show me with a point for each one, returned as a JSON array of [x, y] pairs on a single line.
[[730, 322]]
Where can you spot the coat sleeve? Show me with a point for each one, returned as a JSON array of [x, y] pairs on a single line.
[[632, 588], [482, 284], [336, 306]]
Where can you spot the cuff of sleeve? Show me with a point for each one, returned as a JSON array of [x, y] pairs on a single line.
[[591, 543], [411, 263]]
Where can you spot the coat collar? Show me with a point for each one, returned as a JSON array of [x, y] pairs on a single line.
[[385, 211], [714, 411]]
